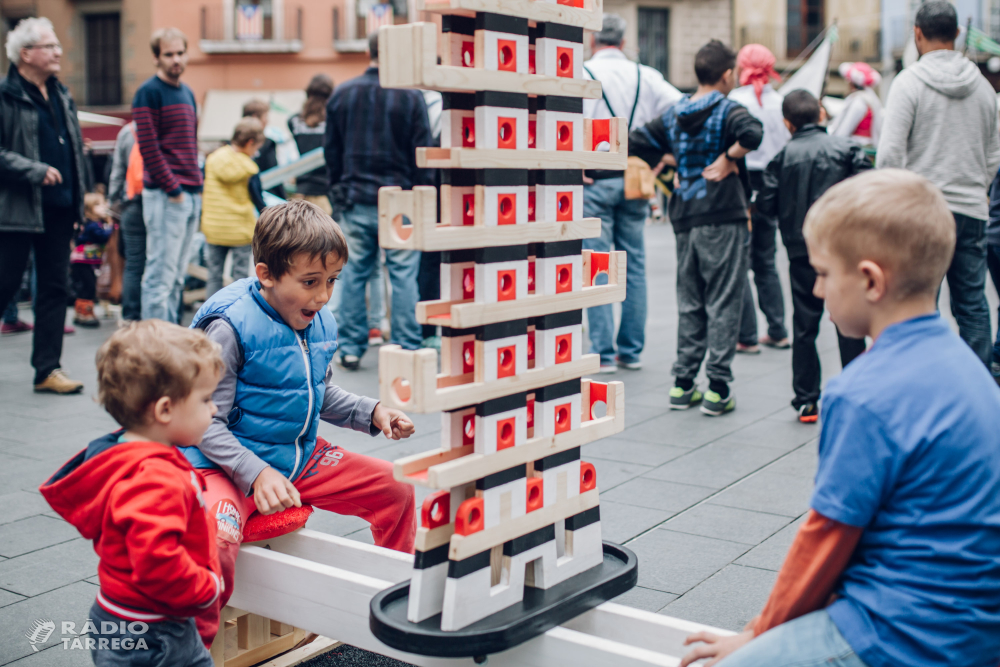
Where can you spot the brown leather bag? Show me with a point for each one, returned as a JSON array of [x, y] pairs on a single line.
[[639, 179], [109, 277]]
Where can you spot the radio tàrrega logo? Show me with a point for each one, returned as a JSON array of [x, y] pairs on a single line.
[[40, 632]]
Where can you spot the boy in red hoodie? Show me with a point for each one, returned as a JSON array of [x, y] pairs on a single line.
[[140, 500]]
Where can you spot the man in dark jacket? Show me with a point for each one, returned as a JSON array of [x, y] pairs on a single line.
[[372, 135], [41, 189], [809, 165], [707, 136]]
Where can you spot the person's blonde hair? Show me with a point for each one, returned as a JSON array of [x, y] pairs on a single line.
[[893, 217], [165, 34], [248, 129], [91, 201], [145, 361], [293, 228]]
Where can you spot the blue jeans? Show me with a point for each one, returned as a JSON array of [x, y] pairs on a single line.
[[809, 641], [993, 262], [623, 222], [133, 229], [967, 285], [168, 643], [360, 224], [170, 227]]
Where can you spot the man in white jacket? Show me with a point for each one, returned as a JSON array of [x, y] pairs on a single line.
[[640, 94], [941, 122]]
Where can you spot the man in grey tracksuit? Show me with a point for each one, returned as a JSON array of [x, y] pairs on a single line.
[[941, 122]]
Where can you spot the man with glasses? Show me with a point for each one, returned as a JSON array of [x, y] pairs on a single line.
[[41, 189]]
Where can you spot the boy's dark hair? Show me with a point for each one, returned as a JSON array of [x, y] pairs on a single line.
[[256, 108], [712, 61], [938, 20], [295, 228], [373, 45], [800, 108]]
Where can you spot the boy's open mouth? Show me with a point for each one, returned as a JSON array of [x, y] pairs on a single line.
[[308, 314]]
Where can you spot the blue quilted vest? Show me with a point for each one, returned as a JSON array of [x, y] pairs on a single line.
[[280, 386], [694, 152]]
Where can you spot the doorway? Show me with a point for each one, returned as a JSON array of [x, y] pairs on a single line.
[[104, 59], [805, 22], [654, 39]]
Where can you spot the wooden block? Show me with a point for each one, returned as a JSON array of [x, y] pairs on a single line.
[[588, 17], [410, 61], [471, 467], [466, 315], [429, 538], [252, 630], [317, 647], [464, 546], [484, 158], [408, 381]]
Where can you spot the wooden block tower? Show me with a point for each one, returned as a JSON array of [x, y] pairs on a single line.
[[514, 507]]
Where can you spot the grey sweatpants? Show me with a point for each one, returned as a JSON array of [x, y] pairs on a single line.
[[711, 275]]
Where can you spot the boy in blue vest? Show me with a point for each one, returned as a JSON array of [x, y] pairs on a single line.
[[262, 453], [707, 136], [897, 562]]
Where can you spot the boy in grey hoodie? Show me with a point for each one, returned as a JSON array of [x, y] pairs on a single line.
[[941, 122]]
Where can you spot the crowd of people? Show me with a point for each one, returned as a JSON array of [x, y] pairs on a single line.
[[896, 562]]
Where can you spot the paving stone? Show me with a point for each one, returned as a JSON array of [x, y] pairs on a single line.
[[800, 463], [69, 603], [612, 473], [769, 492], [676, 562], [770, 554], [363, 535], [630, 451], [32, 534], [22, 473], [773, 434], [645, 598], [715, 465], [20, 505], [658, 495], [50, 568], [8, 598], [689, 428], [727, 523], [335, 524], [55, 656], [620, 523], [728, 600]]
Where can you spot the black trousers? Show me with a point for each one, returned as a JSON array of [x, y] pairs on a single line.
[[807, 312], [429, 284], [52, 264], [84, 281]]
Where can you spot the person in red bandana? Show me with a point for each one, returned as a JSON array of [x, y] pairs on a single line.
[[861, 118]]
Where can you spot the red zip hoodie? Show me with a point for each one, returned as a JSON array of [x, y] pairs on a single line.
[[141, 503]]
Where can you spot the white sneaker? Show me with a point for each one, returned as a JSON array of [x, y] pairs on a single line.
[[608, 368]]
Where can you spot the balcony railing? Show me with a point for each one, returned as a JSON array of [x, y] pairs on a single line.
[[349, 35], [270, 31], [852, 43]]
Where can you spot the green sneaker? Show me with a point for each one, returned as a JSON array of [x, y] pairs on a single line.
[[714, 405], [682, 400]]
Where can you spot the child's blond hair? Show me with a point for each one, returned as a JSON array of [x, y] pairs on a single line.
[[91, 202], [893, 217], [144, 361]]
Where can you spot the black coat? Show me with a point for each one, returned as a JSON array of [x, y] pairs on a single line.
[[809, 165], [21, 172]]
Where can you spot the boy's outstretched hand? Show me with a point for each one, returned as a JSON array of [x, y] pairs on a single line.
[[714, 648], [273, 492], [393, 423]]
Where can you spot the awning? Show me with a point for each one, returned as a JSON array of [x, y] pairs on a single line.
[[102, 129], [224, 108]]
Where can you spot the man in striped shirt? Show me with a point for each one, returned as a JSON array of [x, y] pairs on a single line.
[[166, 121]]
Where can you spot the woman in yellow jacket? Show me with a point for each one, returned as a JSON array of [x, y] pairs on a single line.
[[228, 215]]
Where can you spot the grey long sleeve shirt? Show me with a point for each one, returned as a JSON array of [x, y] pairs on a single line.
[[119, 163], [340, 408]]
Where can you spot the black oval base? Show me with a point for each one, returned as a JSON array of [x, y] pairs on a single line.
[[539, 611]]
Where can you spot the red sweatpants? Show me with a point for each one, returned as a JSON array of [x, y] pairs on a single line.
[[335, 480]]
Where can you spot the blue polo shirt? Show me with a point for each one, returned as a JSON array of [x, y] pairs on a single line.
[[910, 451]]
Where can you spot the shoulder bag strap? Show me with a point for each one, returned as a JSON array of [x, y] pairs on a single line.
[[638, 87], [606, 102]]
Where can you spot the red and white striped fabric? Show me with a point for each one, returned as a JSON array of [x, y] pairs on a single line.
[[249, 22]]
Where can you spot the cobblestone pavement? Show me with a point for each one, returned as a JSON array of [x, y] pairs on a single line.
[[710, 505]]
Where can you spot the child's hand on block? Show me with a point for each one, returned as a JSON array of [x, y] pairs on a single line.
[[393, 423], [273, 492]]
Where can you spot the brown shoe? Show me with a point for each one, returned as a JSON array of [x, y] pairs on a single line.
[[85, 314], [58, 383]]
